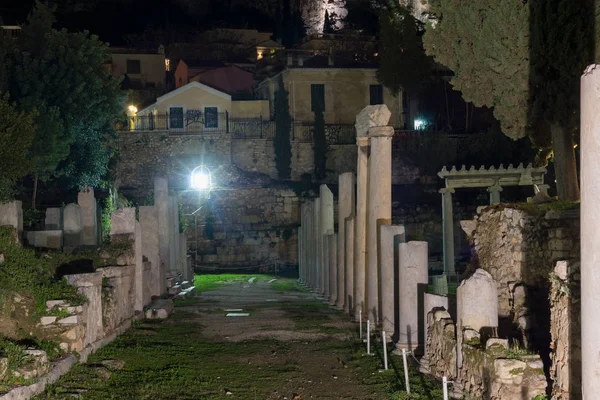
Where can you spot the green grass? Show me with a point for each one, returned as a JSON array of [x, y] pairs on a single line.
[[287, 285], [208, 282]]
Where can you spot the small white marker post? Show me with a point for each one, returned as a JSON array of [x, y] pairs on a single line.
[[369, 337], [405, 371], [360, 323], [385, 360], [445, 384]]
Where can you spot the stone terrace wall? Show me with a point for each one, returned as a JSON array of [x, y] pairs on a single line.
[[145, 155], [243, 228]]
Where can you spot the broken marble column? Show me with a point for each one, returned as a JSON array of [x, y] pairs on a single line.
[[188, 274], [346, 203], [87, 202], [413, 276], [476, 311], [11, 214], [391, 237], [150, 248], [333, 268], [379, 211], [73, 225], [316, 285], [448, 231], [175, 267], [360, 227], [161, 202], [590, 234], [326, 228], [349, 260], [54, 218], [431, 302], [125, 228]]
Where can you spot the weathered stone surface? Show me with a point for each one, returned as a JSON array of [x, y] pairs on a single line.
[[113, 365], [11, 214], [3, 367], [53, 219], [346, 203], [72, 320], [47, 320], [413, 277], [45, 239], [122, 221], [159, 309], [349, 260], [477, 302], [73, 225], [391, 237], [371, 116], [87, 201], [497, 342], [326, 223]]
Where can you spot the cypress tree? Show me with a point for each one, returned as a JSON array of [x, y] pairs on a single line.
[[283, 126]]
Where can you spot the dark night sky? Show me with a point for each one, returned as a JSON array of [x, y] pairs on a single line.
[[112, 20]]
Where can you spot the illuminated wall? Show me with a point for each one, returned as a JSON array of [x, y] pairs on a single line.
[[313, 14]]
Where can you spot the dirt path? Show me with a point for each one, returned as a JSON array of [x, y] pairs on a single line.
[[291, 343]]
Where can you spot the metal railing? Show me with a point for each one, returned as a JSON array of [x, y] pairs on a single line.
[[191, 122]]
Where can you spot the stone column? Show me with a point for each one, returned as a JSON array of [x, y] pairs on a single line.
[[326, 223], [150, 248], [73, 225], [300, 253], [349, 260], [53, 220], [316, 280], [413, 276], [175, 266], [87, 202], [161, 202], [360, 227], [448, 231], [494, 192], [11, 214], [391, 237], [379, 212], [333, 268], [346, 201], [590, 234]]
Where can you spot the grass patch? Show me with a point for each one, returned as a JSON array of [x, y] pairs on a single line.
[[208, 282], [287, 286]]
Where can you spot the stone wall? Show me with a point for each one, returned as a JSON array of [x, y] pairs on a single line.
[[519, 248], [242, 228], [488, 370]]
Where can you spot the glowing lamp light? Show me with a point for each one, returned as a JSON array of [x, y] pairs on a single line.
[[200, 178], [132, 109], [419, 124]]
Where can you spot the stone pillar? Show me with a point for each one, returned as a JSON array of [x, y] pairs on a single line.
[[125, 227], [73, 225], [150, 248], [346, 201], [300, 252], [325, 271], [188, 274], [326, 228], [316, 285], [590, 234], [413, 275], [53, 220], [349, 260], [431, 301], [333, 268], [175, 267], [360, 227], [87, 202], [494, 192], [476, 311], [379, 212], [448, 231], [161, 202], [11, 214], [391, 237]]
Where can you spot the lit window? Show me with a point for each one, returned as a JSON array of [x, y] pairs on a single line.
[[167, 64]]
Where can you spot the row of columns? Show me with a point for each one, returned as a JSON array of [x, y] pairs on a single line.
[[365, 266]]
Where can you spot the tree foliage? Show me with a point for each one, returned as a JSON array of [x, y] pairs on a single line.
[[61, 75], [283, 122], [329, 24], [17, 132], [524, 59], [319, 143], [403, 62]]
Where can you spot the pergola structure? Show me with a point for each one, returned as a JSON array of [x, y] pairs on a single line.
[[493, 179]]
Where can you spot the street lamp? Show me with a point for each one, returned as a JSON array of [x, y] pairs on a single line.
[[200, 178]]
